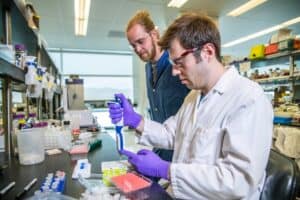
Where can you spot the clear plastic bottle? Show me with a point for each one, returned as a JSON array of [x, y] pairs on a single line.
[[66, 126], [20, 54], [31, 65], [65, 138]]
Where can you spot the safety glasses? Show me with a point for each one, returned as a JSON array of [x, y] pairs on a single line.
[[176, 61]]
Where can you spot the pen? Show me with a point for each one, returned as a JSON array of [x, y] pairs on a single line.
[[8, 187], [26, 188]]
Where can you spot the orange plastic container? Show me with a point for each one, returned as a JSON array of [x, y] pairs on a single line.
[[271, 49], [296, 44]]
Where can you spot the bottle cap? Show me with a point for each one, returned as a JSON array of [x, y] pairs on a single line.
[[32, 115], [18, 116], [43, 124], [20, 47], [66, 122]]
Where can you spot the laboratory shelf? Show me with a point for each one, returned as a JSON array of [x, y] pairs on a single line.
[[9, 70]]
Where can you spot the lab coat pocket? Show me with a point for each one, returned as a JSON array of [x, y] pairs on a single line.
[[206, 144]]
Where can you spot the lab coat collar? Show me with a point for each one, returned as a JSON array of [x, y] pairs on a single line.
[[225, 82]]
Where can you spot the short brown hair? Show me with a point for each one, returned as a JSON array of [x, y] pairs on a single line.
[[142, 18], [193, 31]]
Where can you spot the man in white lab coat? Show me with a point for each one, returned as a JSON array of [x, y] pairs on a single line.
[[222, 133]]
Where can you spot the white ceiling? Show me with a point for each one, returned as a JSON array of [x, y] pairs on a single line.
[[57, 21]]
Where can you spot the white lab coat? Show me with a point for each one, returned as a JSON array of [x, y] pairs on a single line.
[[221, 143]]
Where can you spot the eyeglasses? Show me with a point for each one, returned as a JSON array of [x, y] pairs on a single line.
[[176, 61]]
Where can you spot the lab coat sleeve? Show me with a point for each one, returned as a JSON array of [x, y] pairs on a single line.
[[159, 135], [244, 155]]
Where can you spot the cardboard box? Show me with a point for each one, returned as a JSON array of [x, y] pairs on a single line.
[[296, 44], [282, 34]]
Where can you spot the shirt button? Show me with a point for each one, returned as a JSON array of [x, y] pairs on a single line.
[[153, 90], [155, 109]]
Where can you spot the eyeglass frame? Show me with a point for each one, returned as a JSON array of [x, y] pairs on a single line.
[[174, 61]]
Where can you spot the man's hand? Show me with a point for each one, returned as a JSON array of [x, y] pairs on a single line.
[[148, 163], [125, 111]]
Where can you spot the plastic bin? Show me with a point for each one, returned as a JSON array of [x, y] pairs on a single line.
[[271, 49], [31, 146], [282, 120], [286, 45], [257, 52], [296, 44]]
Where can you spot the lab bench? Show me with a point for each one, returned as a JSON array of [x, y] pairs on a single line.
[[23, 174]]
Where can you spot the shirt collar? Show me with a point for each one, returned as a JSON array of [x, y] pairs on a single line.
[[161, 63]]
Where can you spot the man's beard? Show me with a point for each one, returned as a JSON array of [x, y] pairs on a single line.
[[151, 54]]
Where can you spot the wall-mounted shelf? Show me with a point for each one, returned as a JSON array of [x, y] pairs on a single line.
[[273, 79], [283, 54], [280, 80], [14, 30], [21, 33], [9, 70], [292, 124], [283, 69], [282, 59]]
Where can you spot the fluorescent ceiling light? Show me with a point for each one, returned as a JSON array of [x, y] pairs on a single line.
[[82, 10], [177, 3], [263, 32], [245, 7]]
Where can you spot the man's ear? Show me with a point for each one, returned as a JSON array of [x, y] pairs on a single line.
[[209, 51], [155, 33]]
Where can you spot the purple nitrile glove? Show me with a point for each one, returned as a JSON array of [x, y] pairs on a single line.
[[148, 163], [130, 117], [115, 112]]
